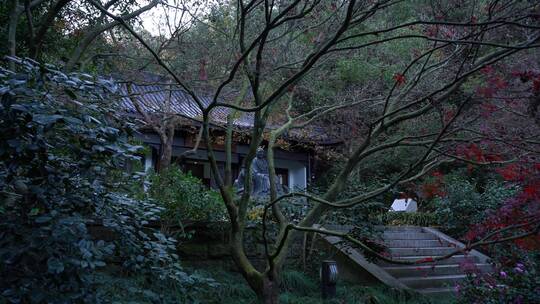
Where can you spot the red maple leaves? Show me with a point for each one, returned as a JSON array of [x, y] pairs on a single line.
[[518, 213], [426, 260], [511, 172], [471, 152], [487, 70], [435, 187], [529, 243], [400, 79], [536, 85], [528, 75], [494, 83], [532, 191], [524, 76]]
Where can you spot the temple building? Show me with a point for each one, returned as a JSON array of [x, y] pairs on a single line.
[[294, 159]]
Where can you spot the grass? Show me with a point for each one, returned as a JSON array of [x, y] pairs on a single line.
[[360, 294], [300, 288], [296, 288]]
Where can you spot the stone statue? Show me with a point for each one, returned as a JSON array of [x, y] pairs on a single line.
[[260, 177], [260, 174]]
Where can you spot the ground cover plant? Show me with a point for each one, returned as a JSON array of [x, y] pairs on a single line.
[[300, 287]]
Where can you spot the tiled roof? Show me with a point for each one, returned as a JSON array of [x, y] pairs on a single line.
[[153, 97], [153, 93]]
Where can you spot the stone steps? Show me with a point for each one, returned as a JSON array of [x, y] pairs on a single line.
[[437, 291], [398, 252], [456, 259], [432, 281], [417, 243], [430, 270], [401, 229], [414, 243], [408, 236], [411, 243]]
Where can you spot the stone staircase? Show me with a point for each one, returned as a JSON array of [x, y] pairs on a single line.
[[416, 243]]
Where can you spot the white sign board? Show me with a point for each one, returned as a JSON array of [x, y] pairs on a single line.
[[404, 205]]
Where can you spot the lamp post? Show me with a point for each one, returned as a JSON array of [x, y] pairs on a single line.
[[329, 275]]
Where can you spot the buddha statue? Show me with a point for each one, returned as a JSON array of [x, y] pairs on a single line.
[[260, 176]]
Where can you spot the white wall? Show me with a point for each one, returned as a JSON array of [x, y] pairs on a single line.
[[297, 173], [148, 161]]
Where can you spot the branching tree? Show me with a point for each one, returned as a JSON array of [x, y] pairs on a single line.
[[453, 48], [35, 20], [163, 123], [277, 45]]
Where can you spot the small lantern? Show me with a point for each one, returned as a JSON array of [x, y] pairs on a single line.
[[329, 275]]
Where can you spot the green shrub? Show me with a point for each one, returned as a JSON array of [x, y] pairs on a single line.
[[413, 219], [464, 204], [513, 283], [185, 197], [60, 141]]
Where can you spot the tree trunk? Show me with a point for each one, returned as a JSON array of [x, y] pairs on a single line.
[[265, 285], [12, 30], [165, 153], [83, 45], [93, 33], [270, 291], [46, 23], [77, 54]]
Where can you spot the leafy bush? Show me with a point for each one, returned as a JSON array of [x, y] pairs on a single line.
[[60, 140], [185, 197], [414, 219], [464, 205], [517, 283]]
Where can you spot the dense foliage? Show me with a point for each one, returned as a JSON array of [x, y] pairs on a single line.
[[60, 138], [515, 279], [517, 262], [184, 197], [462, 201], [424, 219]]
